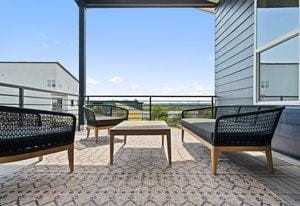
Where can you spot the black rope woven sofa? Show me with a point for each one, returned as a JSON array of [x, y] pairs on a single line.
[[103, 117], [233, 128], [28, 133]]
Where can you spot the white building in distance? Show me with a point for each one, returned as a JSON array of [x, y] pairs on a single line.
[[51, 76]]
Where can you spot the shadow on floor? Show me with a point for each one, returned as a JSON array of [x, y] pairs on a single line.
[[91, 142]]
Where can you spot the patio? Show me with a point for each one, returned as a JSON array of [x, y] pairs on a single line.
[[141, 176]]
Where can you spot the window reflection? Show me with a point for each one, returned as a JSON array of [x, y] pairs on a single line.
[[275, 18], [279, 72]]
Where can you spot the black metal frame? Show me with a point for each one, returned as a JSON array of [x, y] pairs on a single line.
[[84, 4], [74, 101], [146, 3], [21, 103], [151, 98]]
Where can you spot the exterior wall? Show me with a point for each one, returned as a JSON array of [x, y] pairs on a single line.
[[234, 69], [234, 52], [36, 75]]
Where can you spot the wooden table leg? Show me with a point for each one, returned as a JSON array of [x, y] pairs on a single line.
[[163, 139], [96, 134], [125, 139], [169, 148], [111, 142], [88, 132], [71, 157]]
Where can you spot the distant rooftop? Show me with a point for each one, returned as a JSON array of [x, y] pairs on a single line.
[[28, 62]]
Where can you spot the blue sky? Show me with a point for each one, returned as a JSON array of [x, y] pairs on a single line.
[[129, 51]]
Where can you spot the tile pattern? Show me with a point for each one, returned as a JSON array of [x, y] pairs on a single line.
[[285, 181], [140, 176]]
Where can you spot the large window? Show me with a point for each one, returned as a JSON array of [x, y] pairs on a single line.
[[277, 51]]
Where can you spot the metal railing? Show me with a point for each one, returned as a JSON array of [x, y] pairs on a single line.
[[153, 107], [141, 107], [29, 97]]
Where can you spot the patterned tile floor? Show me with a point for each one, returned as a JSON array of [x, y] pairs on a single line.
[[140, 176]]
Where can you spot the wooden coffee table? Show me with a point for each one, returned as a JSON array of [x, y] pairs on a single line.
[[141, 128]]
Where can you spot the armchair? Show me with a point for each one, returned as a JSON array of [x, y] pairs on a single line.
[[107, 116], [28, 133]]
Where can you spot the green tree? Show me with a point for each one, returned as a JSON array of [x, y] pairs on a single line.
[[159, 113]]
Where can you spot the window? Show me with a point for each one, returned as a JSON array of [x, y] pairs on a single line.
[[56, 104], [275, 18], [48, 83], [53, 83], [277, 51]]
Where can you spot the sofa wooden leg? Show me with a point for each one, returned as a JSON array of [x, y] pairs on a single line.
[[182, 135], [125, 139], [214, 160], [71, 158], [88, 132], [96, 134], [269, 159], [40, 158]]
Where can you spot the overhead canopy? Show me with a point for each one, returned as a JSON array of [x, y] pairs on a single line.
[[146, 3], [277, 3]]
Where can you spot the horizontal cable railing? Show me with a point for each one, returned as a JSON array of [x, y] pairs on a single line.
[[152, 107], [34, 98]]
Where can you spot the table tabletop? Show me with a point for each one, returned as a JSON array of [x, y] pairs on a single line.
[[141, 125]]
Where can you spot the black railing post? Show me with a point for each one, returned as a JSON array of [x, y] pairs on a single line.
[[88, 100], [150, 108], [21, 97], [212, 107]]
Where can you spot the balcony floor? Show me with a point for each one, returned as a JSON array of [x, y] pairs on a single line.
[[141, 176]]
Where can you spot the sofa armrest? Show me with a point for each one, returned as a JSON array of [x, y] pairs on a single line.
[[205, 112], [120, 112]]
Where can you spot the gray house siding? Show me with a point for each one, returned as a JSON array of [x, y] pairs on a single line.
[[234, 52], [234, 42]]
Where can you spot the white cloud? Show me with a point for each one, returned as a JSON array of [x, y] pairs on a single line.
[[92, 81], [116, 80], [134, 86]]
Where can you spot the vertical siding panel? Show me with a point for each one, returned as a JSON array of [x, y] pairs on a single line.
[[234, 53]]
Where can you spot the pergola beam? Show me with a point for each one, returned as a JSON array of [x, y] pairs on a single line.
[[146, 3]]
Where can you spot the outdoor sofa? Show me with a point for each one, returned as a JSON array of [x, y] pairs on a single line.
[[28, 133], [233, 128], [104, 117]]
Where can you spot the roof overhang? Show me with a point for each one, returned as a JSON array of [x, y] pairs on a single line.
[[206, 4]]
